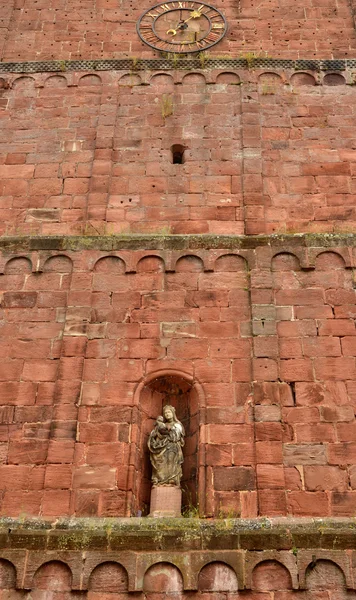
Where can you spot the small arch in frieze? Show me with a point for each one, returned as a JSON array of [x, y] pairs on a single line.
[[303, 79], [325, 574], [24, 83], [110, 576], [163, 577], [230, 263], [18, 265], [190, 263], [334, 79], [226, 77], [162, 81], [150, 264], [90, 80], [271, 575], [130, 80], [285, 261], [56, 81], [284, 558], [59, 264], [110, 264], [4, 84], [217, 576], [7, 574], [269, 83], [326, 260], [53, 575], [194, 79]]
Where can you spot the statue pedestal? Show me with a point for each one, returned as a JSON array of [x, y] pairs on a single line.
[[166, 501]]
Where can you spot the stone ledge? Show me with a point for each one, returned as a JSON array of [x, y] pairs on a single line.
[[137, 544], [178, 534], [174, 242]]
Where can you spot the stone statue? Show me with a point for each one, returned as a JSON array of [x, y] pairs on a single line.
[[165, 445]]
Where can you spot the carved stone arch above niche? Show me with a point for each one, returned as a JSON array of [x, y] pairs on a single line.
[[270, 575], [325, 575], [163, 577], [18, 265], [59, 264], [110, 264], [228, 78], [109, 576], [217, 576], [189, 263], [53, 575], [7, 575], [56, 81]]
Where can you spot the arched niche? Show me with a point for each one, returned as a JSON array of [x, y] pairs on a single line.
[[53, 575], [56, 81], [151, 264], [18, 265], [329, 260], [325, 575], [186, 395], [194, 79], [26, 85], [286, 271], [89, 81], [110, 264], [130, 80], [217, 577], [59, 264], [302, 79], [331, 273], [269, 83], [228, 78], [285, 261], [189, 264], [7, 575], [334, 79], [228, 263], [163, 578], [162, 82], [271, 575], [109, 577]]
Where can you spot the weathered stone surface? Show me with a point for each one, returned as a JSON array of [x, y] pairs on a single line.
[[148, 542]]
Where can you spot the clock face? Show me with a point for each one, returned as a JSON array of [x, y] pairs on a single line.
[[181, 27]]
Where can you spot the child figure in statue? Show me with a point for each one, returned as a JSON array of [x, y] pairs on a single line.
[[165, 444]]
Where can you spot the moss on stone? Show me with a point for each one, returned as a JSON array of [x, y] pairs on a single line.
[[173, 242], [177, 534]]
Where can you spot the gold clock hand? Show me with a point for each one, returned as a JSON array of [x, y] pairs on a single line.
[[194, 15]]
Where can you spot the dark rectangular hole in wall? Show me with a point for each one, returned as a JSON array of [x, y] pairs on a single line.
[[178, 154]]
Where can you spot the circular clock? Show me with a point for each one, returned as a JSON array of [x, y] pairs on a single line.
[[181, 27]]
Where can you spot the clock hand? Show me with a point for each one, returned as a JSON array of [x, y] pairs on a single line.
[[179, 27], [195, 14]]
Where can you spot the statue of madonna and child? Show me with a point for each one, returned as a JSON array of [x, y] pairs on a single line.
[[165, 444]]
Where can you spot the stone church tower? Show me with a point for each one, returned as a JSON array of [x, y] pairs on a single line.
[[177, 221]]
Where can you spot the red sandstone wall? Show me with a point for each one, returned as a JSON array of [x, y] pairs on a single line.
[[91, 153], [256, 350], [64, 29]]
